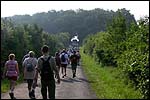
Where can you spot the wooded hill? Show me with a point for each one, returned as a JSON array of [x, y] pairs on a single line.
[[81, 21]]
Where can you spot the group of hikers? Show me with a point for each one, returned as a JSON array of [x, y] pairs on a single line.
[[47, 66]]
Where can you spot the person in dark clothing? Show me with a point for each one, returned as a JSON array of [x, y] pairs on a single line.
[[79, 57], [25, 56], [58, 60], [74, 63], [46, 66]]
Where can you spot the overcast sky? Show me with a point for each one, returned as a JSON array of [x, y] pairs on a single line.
[[10, 8]]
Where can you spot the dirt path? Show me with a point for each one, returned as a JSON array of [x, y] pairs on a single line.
[[69, 88]]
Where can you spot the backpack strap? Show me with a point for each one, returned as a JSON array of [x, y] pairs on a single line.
[[47, 59], [42, 59], [28, 61]]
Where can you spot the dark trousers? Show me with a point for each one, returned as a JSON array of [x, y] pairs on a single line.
[[29, 81], [74, 66], [50, 84]]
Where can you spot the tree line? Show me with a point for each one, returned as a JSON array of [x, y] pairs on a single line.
[[18, 39], [125, 48], [81, 21]]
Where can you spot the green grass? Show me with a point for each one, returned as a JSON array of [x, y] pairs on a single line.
[[5, 84], [107, 82]]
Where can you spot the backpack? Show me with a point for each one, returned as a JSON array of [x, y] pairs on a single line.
[[29, 66], [63, 59], [46, 71], [74, 59], [26, 56]]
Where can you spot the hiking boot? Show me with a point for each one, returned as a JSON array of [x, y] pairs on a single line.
[[74, 75], [12, 95], [63, 76], [32, 94]]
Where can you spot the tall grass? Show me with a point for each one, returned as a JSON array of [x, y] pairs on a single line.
[[5, 85], [107, 82]]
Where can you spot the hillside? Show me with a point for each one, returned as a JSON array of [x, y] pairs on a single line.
[[81, 21]]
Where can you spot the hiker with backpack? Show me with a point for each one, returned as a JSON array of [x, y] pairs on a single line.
[[64, 62], [29, 65], [58, 61], [46, 67], [11, 71], [74, 63], [79, 56], [25, 56]]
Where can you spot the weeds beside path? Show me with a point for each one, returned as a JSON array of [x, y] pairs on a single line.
[[107, 81]]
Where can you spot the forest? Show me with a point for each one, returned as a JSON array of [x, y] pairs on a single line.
[[112, 38], [80, 21]]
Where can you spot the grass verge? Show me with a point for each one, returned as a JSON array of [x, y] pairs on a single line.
[[106, 81]]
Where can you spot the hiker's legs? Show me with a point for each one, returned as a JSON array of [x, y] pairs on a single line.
[[29, 81], [75, 69], [65, 69], [72, 70], [51, 89], [44, 89], [58, 68], [12, 86], [31, 91], [78, 62], [62, 67], [74, 66]]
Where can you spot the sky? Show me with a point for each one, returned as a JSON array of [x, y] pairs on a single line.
[[10, 8]]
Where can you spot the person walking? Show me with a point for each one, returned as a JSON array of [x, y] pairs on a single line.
[[46, 67], [58, 61], [29, 65], [74, 63], [64, 62], [79, 56], [11, 71], [25, 56]]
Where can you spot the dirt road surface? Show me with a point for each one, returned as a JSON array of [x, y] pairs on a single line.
[[69, 88]]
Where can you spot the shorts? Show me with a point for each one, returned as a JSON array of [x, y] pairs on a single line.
[[14, 78], [64, 65]]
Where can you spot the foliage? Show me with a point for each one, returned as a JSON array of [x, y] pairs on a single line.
[[80, 21], [18, 39], [107, 82], [125, 48], [135, 60]]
